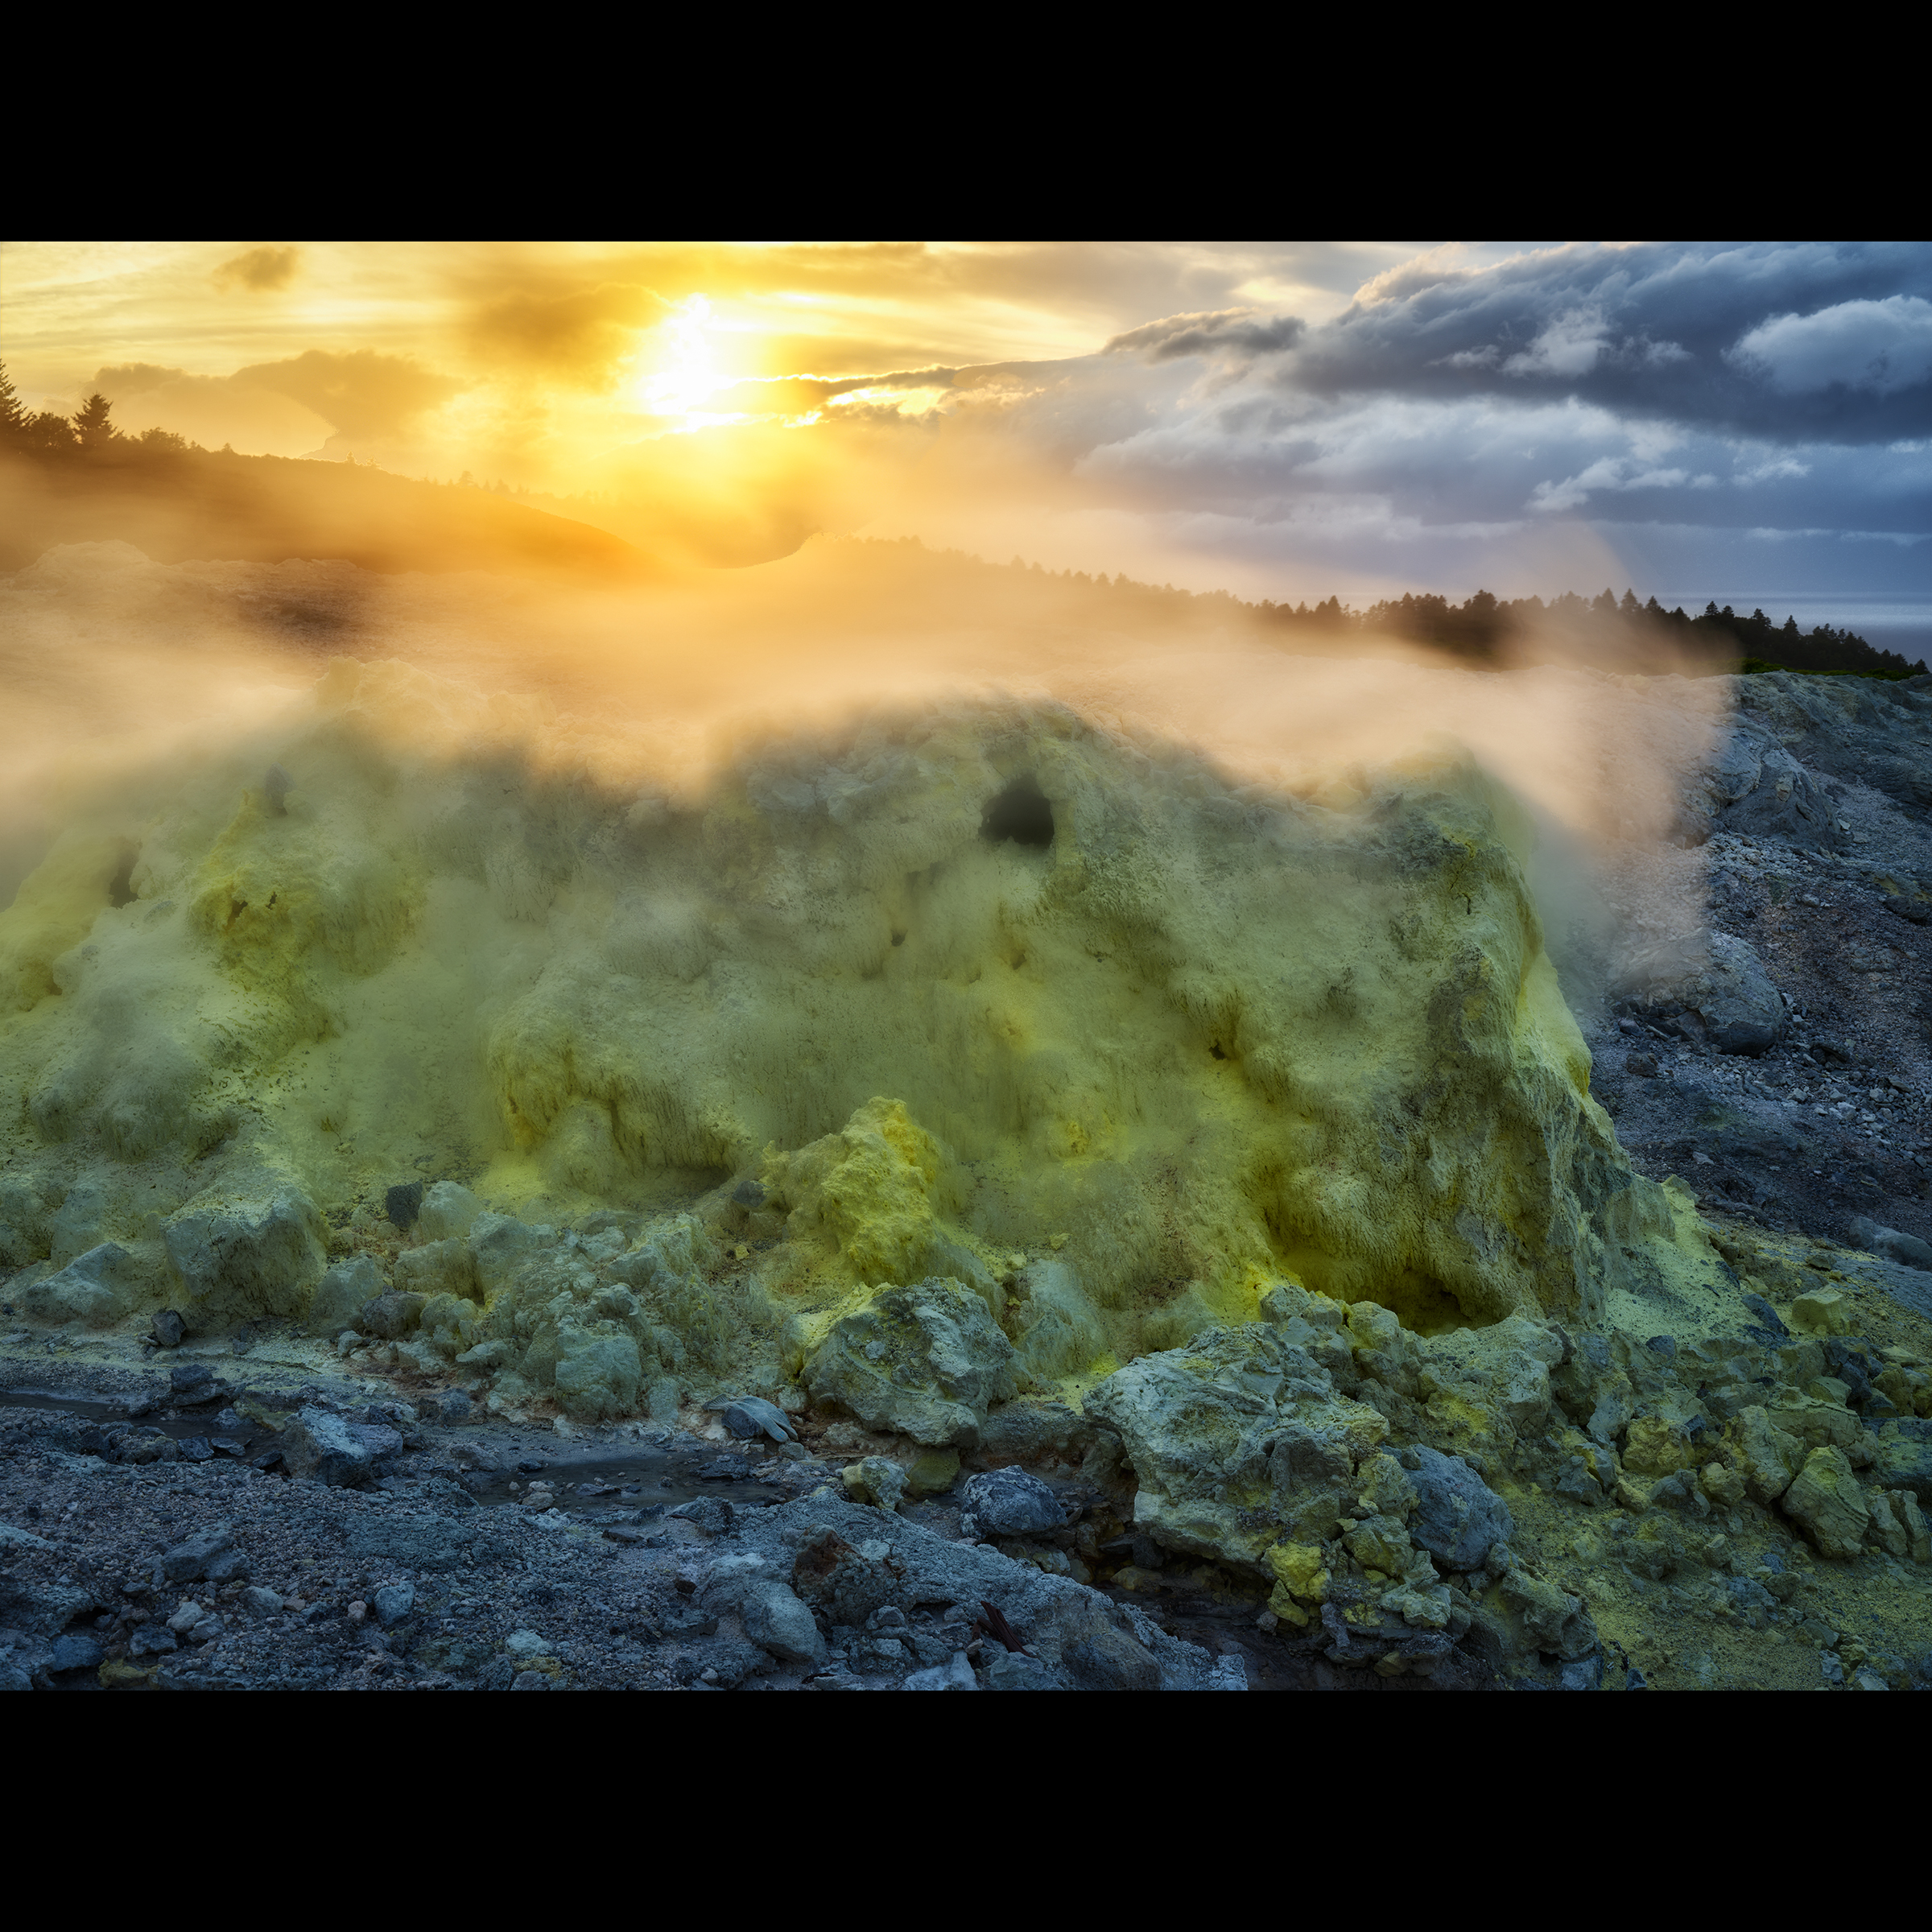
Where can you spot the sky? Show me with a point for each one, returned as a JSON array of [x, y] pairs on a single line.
[[1751, 423]]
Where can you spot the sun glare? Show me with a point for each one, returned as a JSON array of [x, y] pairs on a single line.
[[684, 372]]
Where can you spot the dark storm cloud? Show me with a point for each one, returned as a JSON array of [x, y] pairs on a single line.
[[1830, 340], [1236, 329]]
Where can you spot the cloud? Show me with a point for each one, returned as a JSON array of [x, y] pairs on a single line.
[[1881, 346], [213, 410], [285, 408], [259, 269], [367, 396], [1199, 335], [582, 335]]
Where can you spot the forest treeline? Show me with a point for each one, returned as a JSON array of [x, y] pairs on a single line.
[[98, 481], [1618, 632], [78, 479]]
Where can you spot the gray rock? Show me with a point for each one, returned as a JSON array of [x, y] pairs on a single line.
[[955, 1674], [91, 1289], [1010, 1671], [1239, 1440], [394, 1602], [329, 1449], [927, 1361], [448, 1406], [13, 1678], [76, 1650], [1907, 1250], [779, 1623], [188, 1563], [832, 1544], [530, 1680], [1008, 1502], [1905, 1459], [190, 1384], [1458, 1516], [749, 1415], [263, 1602], [449, 1212], [151, 1640], [168, 1329], [403, 1203], [254, 1259], [1758, 790], [1094, 1654], [391, 1316], [344, 1291], [711, 1513], [1723, 981]]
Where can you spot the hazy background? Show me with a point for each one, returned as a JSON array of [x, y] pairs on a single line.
[[1750, 423]]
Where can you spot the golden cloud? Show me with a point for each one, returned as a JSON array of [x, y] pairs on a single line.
[[259, 269]]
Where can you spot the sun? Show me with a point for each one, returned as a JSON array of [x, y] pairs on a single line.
[[683, 372]]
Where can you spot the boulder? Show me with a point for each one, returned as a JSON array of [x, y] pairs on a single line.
[[1826, 1501], [599, 1371], [778, 1622], [209, 1557], [449, 1212], [1720, 978], [877, 1480], [1765, 1456], [927, 1361], [1238, 1441], [1758, 789], [252, 1259], [92, 1288], [328, 1448], [392, 1315], [1907, 1250], [344, 1291], [1458, 1516]]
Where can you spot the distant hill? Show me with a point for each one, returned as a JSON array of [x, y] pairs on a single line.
[[183, 504]]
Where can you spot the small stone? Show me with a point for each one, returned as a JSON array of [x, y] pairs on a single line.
[[151, 1640], [263, 1602], [877, 1480], [76, 1650], [189, 1562], [530, 1680], [185, 1618], [191, 1383], [778, 1622], [711, 1513], [168, 1329], [403, 1204], [394, 1602], [1008, 1502]]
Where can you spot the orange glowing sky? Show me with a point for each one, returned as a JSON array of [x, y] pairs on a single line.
[[534, 361], [1276, 419]]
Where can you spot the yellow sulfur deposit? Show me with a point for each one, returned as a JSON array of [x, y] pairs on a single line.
[[953, 986]]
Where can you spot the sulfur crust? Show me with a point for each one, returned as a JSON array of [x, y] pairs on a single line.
[[1209, 1037]]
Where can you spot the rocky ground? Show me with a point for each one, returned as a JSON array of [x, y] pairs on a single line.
[[1318, 1500]]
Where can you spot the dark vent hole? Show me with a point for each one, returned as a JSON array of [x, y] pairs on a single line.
[[121, 887], [1021, 813]]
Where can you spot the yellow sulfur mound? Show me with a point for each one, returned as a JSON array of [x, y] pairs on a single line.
[[954, 982]]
